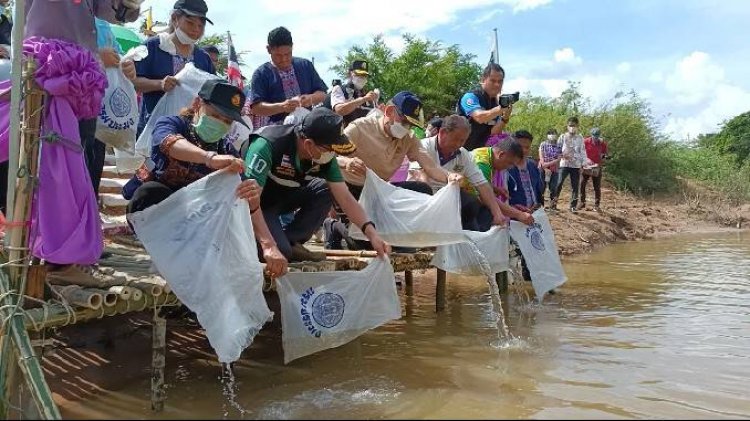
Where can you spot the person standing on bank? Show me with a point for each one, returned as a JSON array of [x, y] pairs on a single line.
[[349, 99], [169, 52], [573, 159], [550, 154], [596, 151], [481, 107], [283, 84]]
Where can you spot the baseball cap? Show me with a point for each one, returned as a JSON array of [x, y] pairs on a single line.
[[410, 106], [326, 128], [359, 67], [197, 8], [226, 98], [595, 131]]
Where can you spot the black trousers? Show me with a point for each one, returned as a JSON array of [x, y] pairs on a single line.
[[575, 175], [474, 215], [149, 194], [597, 181]]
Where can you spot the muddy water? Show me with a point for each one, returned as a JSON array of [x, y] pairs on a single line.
[[653, 329]]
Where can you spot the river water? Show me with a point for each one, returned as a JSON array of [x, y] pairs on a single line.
[[651, 329]]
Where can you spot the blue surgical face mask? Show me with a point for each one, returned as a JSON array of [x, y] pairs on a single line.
[[211, 129]]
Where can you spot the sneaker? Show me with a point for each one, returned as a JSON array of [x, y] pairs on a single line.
[[301, 254], [597, 209], [88, 276], [573, 209]]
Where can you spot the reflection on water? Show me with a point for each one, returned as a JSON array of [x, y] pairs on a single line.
[[652, 329]]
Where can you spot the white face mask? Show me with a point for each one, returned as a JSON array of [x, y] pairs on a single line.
[[325, 158], [398, 130], [572, 130], [552, 138], [359, 82], [184, 38]]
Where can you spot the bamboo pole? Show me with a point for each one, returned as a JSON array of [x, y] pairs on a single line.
[[502, 282], [158, 361], [409, 281], [109, 298], [350, 253], [440, 290], [56, 315], [77, 296]]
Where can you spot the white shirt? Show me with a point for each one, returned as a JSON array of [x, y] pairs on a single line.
[[338, 98], [462, 164], [574, 149]]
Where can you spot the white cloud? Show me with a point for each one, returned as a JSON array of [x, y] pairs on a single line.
[[694, 79], [624, 67], [567, 56], [523, 5]]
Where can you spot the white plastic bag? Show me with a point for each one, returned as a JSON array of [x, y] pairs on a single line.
[[296, 116], [191, 80], [239, 133], [325, 310], [118, 118], [539, 249], [411, 219], [483, 253], [201, 241]]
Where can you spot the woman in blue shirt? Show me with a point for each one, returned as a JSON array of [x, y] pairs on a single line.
[[169, 52]]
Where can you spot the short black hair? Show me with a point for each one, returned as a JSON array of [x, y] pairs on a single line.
[[573, 120], [551, 131], [492, 67], [436, 122], [523, 134], [510, 146], [279, 37]]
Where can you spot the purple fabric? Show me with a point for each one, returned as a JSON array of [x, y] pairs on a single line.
[[65, 217]]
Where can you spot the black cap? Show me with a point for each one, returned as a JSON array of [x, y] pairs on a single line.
[[226, 98], [326, 128], [197, 8], [360, 68]]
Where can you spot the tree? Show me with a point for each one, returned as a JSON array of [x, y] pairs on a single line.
[[734, 137], [438, 74]]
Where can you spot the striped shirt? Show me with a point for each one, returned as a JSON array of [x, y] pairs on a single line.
[[550, 151]]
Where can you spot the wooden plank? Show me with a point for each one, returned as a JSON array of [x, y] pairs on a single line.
[[409, 283], [158, 362], [502, 282]]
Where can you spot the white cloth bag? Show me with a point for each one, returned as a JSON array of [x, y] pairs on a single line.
[[539, 249], [483, 253], [328, 309], [411, 219], [201, 241]]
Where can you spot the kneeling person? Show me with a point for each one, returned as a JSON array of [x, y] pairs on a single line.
[[296, 168]]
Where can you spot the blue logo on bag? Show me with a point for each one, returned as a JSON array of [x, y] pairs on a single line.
[[534, 234], [119, 102], [328, 310], [325, 310]]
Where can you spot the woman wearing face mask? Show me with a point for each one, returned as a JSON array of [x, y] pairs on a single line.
[[349, 100], [191, 146], [169, 52], [550, 154], [573, 158]]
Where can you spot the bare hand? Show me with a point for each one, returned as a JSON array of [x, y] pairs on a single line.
[[250, 190], [276, 263], [377, 243], [506, 113], [4, 53], [169, 83], [290, 105], [455, 177], [526, 219], [227, 163], [109, 57], [499, 219], [128, 69], [357, 167], [306, 101], [371, 96]]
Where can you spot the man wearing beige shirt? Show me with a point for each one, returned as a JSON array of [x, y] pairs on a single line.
[[382, 141]]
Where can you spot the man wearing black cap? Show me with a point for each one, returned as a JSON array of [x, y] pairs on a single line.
[[349, 100], [194, 144], [296, 168], [285, 83]]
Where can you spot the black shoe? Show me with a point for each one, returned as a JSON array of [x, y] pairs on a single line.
[[573, 209]]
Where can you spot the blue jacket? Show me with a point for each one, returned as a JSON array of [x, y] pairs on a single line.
[[266, 84], [517, 195]]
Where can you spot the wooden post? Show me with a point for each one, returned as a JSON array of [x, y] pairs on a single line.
[[409, 282], [502, 282], [158, 361], [440, 290]]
